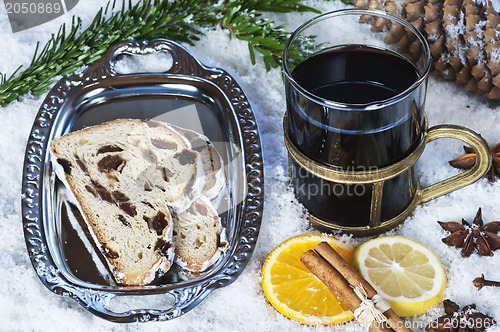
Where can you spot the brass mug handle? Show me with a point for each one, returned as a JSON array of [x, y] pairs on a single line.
[[483, 161]]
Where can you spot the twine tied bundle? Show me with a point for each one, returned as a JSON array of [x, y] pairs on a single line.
[[370, 310]]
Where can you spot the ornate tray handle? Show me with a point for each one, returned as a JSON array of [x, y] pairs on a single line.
[[182, 61], [99, 303]]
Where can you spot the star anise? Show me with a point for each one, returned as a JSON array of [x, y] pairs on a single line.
[[464, 320], [477, 235], [469, 159]]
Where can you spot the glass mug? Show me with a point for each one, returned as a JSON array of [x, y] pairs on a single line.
[[355, 126]]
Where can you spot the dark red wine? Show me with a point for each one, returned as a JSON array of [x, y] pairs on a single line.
[[354, 132], [342, 138], [356, 75]]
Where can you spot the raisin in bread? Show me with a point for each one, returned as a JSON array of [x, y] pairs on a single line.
[[212, 161], [126, 176], [197, 236]]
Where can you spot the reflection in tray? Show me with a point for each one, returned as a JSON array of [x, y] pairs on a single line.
[[190, 95]]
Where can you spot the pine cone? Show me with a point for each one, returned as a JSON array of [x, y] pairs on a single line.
[[463, 36]]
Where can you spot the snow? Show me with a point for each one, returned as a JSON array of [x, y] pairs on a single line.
[[26, 305], [495, 3]]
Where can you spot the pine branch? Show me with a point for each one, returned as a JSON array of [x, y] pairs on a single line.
[[179, 20], [277, 6], [259, 33]]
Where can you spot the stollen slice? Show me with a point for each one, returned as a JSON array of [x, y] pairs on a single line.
[[127, 176], [213, 166], [198, 236]]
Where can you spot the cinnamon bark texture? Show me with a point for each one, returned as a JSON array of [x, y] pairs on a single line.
[[463, 36], [336, 283], [341, 278], [353, 278]]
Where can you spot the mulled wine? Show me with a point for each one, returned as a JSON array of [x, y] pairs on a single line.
[[355, 83], [356, 77], [345, 118]]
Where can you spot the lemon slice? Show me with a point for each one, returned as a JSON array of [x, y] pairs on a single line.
[[294, 291], [403, 271]]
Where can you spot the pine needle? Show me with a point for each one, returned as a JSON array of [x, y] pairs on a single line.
[[178, 20]]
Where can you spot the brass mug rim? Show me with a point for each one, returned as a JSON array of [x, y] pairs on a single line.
[[339, 175], [378, 176]]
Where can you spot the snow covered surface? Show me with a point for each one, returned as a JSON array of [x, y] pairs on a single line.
[[496, 4], [26, 305]]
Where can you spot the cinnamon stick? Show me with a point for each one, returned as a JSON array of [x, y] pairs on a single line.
[[352, 277], [336, 283]]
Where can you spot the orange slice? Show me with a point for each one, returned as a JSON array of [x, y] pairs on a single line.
[[294, 291]]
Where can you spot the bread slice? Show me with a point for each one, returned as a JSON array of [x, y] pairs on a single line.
[[197, 236], [126, 176], [211, 160]]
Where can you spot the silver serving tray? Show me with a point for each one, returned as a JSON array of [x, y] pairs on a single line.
[[188, 94]]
